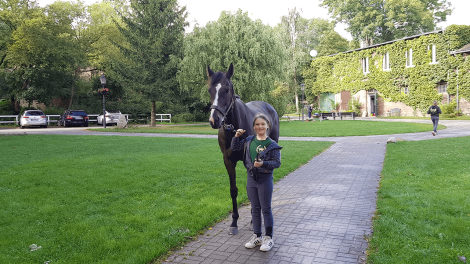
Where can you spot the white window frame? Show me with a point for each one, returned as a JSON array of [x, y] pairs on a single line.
[[365, 65], [433, 55], [386, 62], [442, 88], [409, 58]]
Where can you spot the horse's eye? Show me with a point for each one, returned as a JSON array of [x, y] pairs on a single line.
[[228, 90]]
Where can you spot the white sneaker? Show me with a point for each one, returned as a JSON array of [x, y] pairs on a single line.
[[253, 242], [267, 244], [433, 133]]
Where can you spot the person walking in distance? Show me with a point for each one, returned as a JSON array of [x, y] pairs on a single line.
[[309, 110], [261, 156], [434, 111]]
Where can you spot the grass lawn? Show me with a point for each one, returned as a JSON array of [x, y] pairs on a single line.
[[326, 128], [423, 207], [92, 199], [441, 117]]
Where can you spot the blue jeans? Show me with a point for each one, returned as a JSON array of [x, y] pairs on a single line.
[[260, 194], [435, 121]]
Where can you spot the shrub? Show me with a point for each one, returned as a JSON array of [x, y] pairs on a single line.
[[355, 106], [449, 108], [5, 107], [54, 111], [185, 117]]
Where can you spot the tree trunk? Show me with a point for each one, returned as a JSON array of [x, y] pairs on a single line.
[[152, 117], [296, 102], [296, 95]]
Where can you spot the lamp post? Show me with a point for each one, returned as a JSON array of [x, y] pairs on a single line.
[[103, 92], [302, 88]]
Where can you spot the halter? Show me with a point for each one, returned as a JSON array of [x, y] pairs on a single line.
[[226, 112]]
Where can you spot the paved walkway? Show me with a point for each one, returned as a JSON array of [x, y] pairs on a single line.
[[322, 211]]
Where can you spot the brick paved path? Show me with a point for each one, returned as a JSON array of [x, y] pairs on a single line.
[[322, 211]]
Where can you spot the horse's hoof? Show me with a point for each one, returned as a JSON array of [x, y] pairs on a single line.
[[233, 230]]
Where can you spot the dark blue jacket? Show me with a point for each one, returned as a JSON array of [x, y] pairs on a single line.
[[271, 156], [434, 111]]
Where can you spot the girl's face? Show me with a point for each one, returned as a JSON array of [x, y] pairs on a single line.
[[261, 126]]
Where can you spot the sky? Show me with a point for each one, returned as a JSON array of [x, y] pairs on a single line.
[[270, 12]]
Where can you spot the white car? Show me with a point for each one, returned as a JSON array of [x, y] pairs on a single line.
[[112, 117], [33, 118]]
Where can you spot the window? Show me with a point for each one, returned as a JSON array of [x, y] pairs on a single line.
[[433, 54], [409, 58], [404, 90], [442, 88], [386, 62], [365, 65]]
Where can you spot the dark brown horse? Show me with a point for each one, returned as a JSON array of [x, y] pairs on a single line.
[[228, 114]]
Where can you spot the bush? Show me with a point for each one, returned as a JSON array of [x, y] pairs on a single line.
[[449, 108], [291, 109], [354, 106], [185, 117], [54, 111], [5, 107]]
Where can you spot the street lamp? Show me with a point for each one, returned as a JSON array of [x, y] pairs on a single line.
[[302, 88], [103, 91]]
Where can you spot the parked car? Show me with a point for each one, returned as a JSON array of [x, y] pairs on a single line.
[[33, 118], [73, 118], [112, 117]]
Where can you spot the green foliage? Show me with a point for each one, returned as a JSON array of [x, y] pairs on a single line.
[[343, 72], [254, 49], [6, 107], [422, 203], [355, 106], [181, 118], [449, 108], [154, 32], [279, 98], [41, 51], [386, 20]]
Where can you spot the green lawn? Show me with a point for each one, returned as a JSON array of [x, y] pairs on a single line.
[[441, 117], [92, 199], [423, 207], [327, 128]]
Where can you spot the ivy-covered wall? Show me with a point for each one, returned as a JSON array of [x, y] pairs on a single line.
[[343, 72]]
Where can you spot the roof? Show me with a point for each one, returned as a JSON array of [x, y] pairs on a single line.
[[464, 49], [392, 41]]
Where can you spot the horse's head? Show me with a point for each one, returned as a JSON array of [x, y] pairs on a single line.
[[222, 95]]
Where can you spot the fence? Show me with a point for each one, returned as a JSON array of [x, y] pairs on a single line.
[[49, 120]]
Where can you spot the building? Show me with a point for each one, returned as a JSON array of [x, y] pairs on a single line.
[[406, 74]]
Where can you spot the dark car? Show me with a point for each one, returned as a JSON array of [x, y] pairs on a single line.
[[73, 118]]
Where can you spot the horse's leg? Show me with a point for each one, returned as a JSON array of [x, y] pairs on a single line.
[[230, 166]]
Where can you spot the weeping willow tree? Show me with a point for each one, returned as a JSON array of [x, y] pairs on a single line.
[[254, 49]]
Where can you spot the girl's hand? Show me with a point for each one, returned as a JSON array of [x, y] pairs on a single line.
[[240, 132], [258, 163]]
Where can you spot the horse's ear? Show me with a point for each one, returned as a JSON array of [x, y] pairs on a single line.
[[209, 71], [229, 73]]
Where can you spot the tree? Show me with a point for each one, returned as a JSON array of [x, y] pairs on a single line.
[[154, 31], [386, 20], [293, 30], [41, 50], [254, 49], [332, 43]]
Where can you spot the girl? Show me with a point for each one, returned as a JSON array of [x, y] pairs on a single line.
[[261, 156]]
